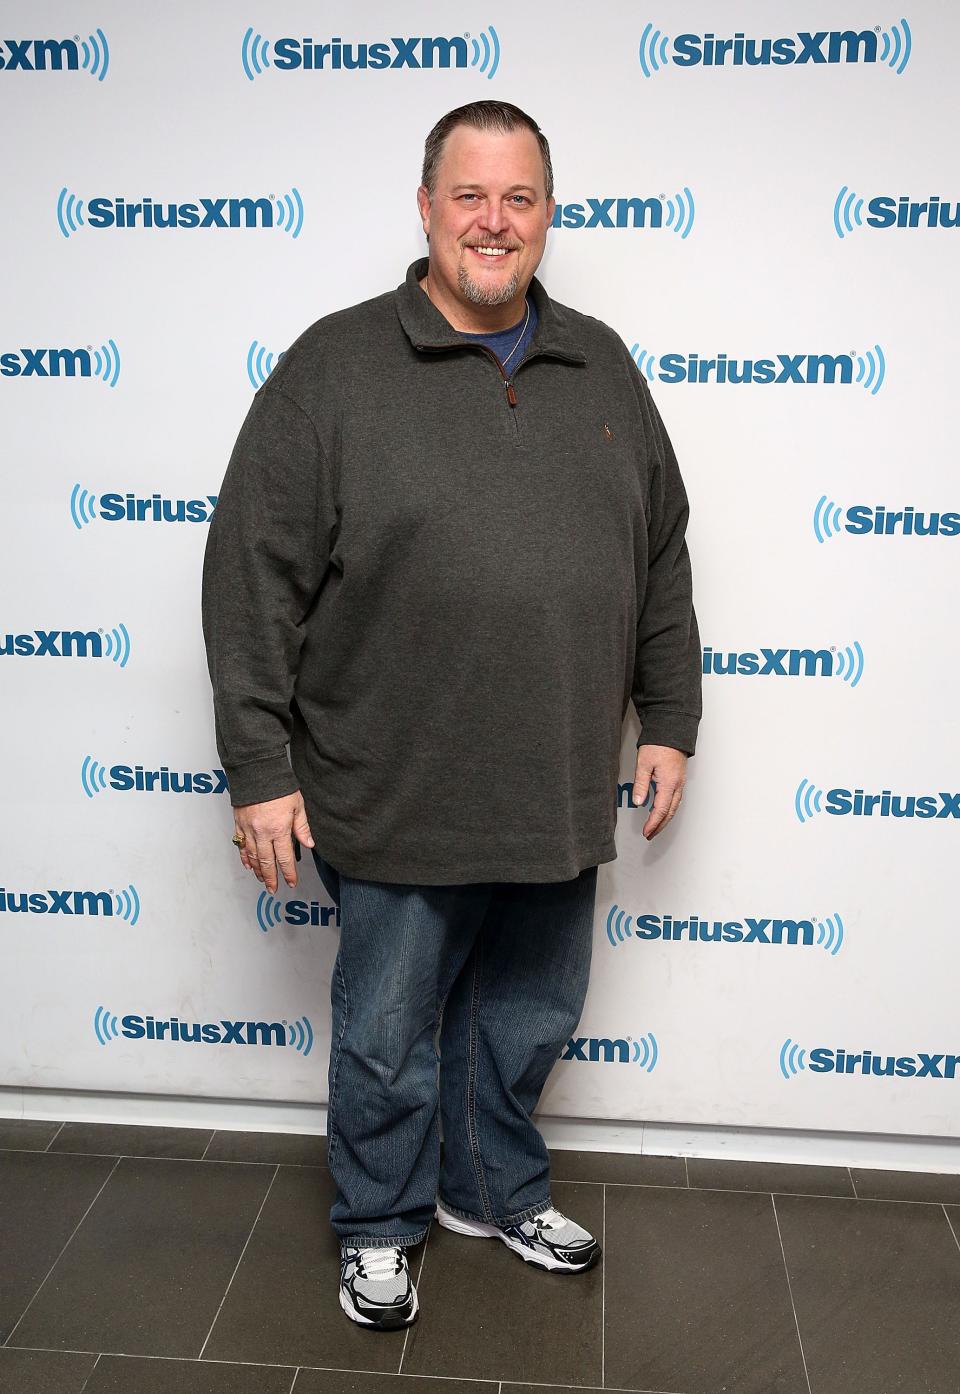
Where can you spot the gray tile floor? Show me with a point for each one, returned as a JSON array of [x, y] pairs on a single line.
[[141, 1260]]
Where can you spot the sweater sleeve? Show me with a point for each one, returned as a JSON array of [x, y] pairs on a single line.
[[667, 669], [266, 555]]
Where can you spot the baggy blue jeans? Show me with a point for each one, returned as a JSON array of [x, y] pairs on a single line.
[[500, 970]]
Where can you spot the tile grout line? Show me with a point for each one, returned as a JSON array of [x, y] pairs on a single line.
[[686, 1171], [853, 1183], [158, 1157], [92, 1368], [644, 1185], [950, 1223], [292, 1382], [203, 1157], [406, 1334], [55, 1136], [61, 1253], [603, 1296], [240, 1260], [796, 1319]]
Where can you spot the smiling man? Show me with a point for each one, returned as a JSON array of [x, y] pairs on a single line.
[[448, 551]]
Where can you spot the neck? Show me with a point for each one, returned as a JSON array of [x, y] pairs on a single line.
[[475, 319]]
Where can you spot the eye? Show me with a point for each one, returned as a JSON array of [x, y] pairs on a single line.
[[519, 198], [468, 196]]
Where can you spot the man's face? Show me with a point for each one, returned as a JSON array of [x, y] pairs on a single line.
[[489, 194]]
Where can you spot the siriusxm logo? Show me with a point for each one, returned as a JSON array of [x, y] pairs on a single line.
[[92, 55], [845, 663], [88, 362], [656, 211], [138, 508], [260, 364], [622, 1050], [807, 369], [809, 800], [892, 210], [298, 1034], [268, 211], [121, 905], [823, 1060], [875, 520], [94, 778], [271, 912], [891, 46], [811, 932], [69, 643], [312, 55]]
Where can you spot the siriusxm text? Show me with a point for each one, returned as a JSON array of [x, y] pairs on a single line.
[[166, 781], [51, 902], [784, 663], [864, 519], [46, 363], [803, 368], [886, 804], [198, 213], [155, 508], [36, 55], [749, 930], [886, 211], [610, 213], [599, 1049], [314, 55], [921, 1066], [824, 46], [54, 643], [223, 1032]]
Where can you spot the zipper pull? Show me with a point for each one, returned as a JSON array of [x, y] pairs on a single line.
[[511, 394]]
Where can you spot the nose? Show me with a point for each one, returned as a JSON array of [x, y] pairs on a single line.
[[492, 218]]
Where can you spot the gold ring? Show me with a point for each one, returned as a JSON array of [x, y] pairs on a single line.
[[239, 839]]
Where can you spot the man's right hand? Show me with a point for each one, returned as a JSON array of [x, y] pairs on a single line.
[[270, 829]]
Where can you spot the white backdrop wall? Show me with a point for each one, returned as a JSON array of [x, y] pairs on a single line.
[[785, 938]]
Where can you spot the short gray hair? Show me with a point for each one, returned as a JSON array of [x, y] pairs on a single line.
[[482, 116]]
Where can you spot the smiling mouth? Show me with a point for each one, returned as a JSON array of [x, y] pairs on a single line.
[[492, 253]]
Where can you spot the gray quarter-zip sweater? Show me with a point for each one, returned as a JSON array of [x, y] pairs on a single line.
[[442, 586]]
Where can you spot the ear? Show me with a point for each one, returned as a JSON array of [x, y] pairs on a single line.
[[423, 203]]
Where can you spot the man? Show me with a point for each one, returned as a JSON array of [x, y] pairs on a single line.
[[448, 550]]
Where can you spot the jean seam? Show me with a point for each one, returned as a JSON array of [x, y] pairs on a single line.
[[500, 1221], [399, 1241], [473, 1054], [332, 1132]]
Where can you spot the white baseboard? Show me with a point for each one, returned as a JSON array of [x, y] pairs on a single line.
[[872, 1150]]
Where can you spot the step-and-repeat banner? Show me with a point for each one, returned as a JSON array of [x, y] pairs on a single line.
[[763, 201]]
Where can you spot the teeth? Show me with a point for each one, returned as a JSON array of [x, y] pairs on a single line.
[[492, 251]]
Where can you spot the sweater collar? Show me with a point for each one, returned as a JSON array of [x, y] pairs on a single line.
[[426, 327]]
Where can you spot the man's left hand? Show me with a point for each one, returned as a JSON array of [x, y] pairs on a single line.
[[668, 770]]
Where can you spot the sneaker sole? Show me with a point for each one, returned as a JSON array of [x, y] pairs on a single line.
[[397, 1324], [476, 1229]]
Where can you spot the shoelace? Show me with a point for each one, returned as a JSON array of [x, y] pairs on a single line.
[[378, 1262], [549, 1219]]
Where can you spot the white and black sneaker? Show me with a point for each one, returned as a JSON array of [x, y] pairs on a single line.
[[549, 1239], [376, 1288]]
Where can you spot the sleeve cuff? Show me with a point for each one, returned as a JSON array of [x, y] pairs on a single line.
[[675, 729], [258, 781]]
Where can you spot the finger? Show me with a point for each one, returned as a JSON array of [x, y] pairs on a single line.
[[301, 828], [674, 805], [266, 862], [666, 815], [643, 780], [661, 803], [283, 850]]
